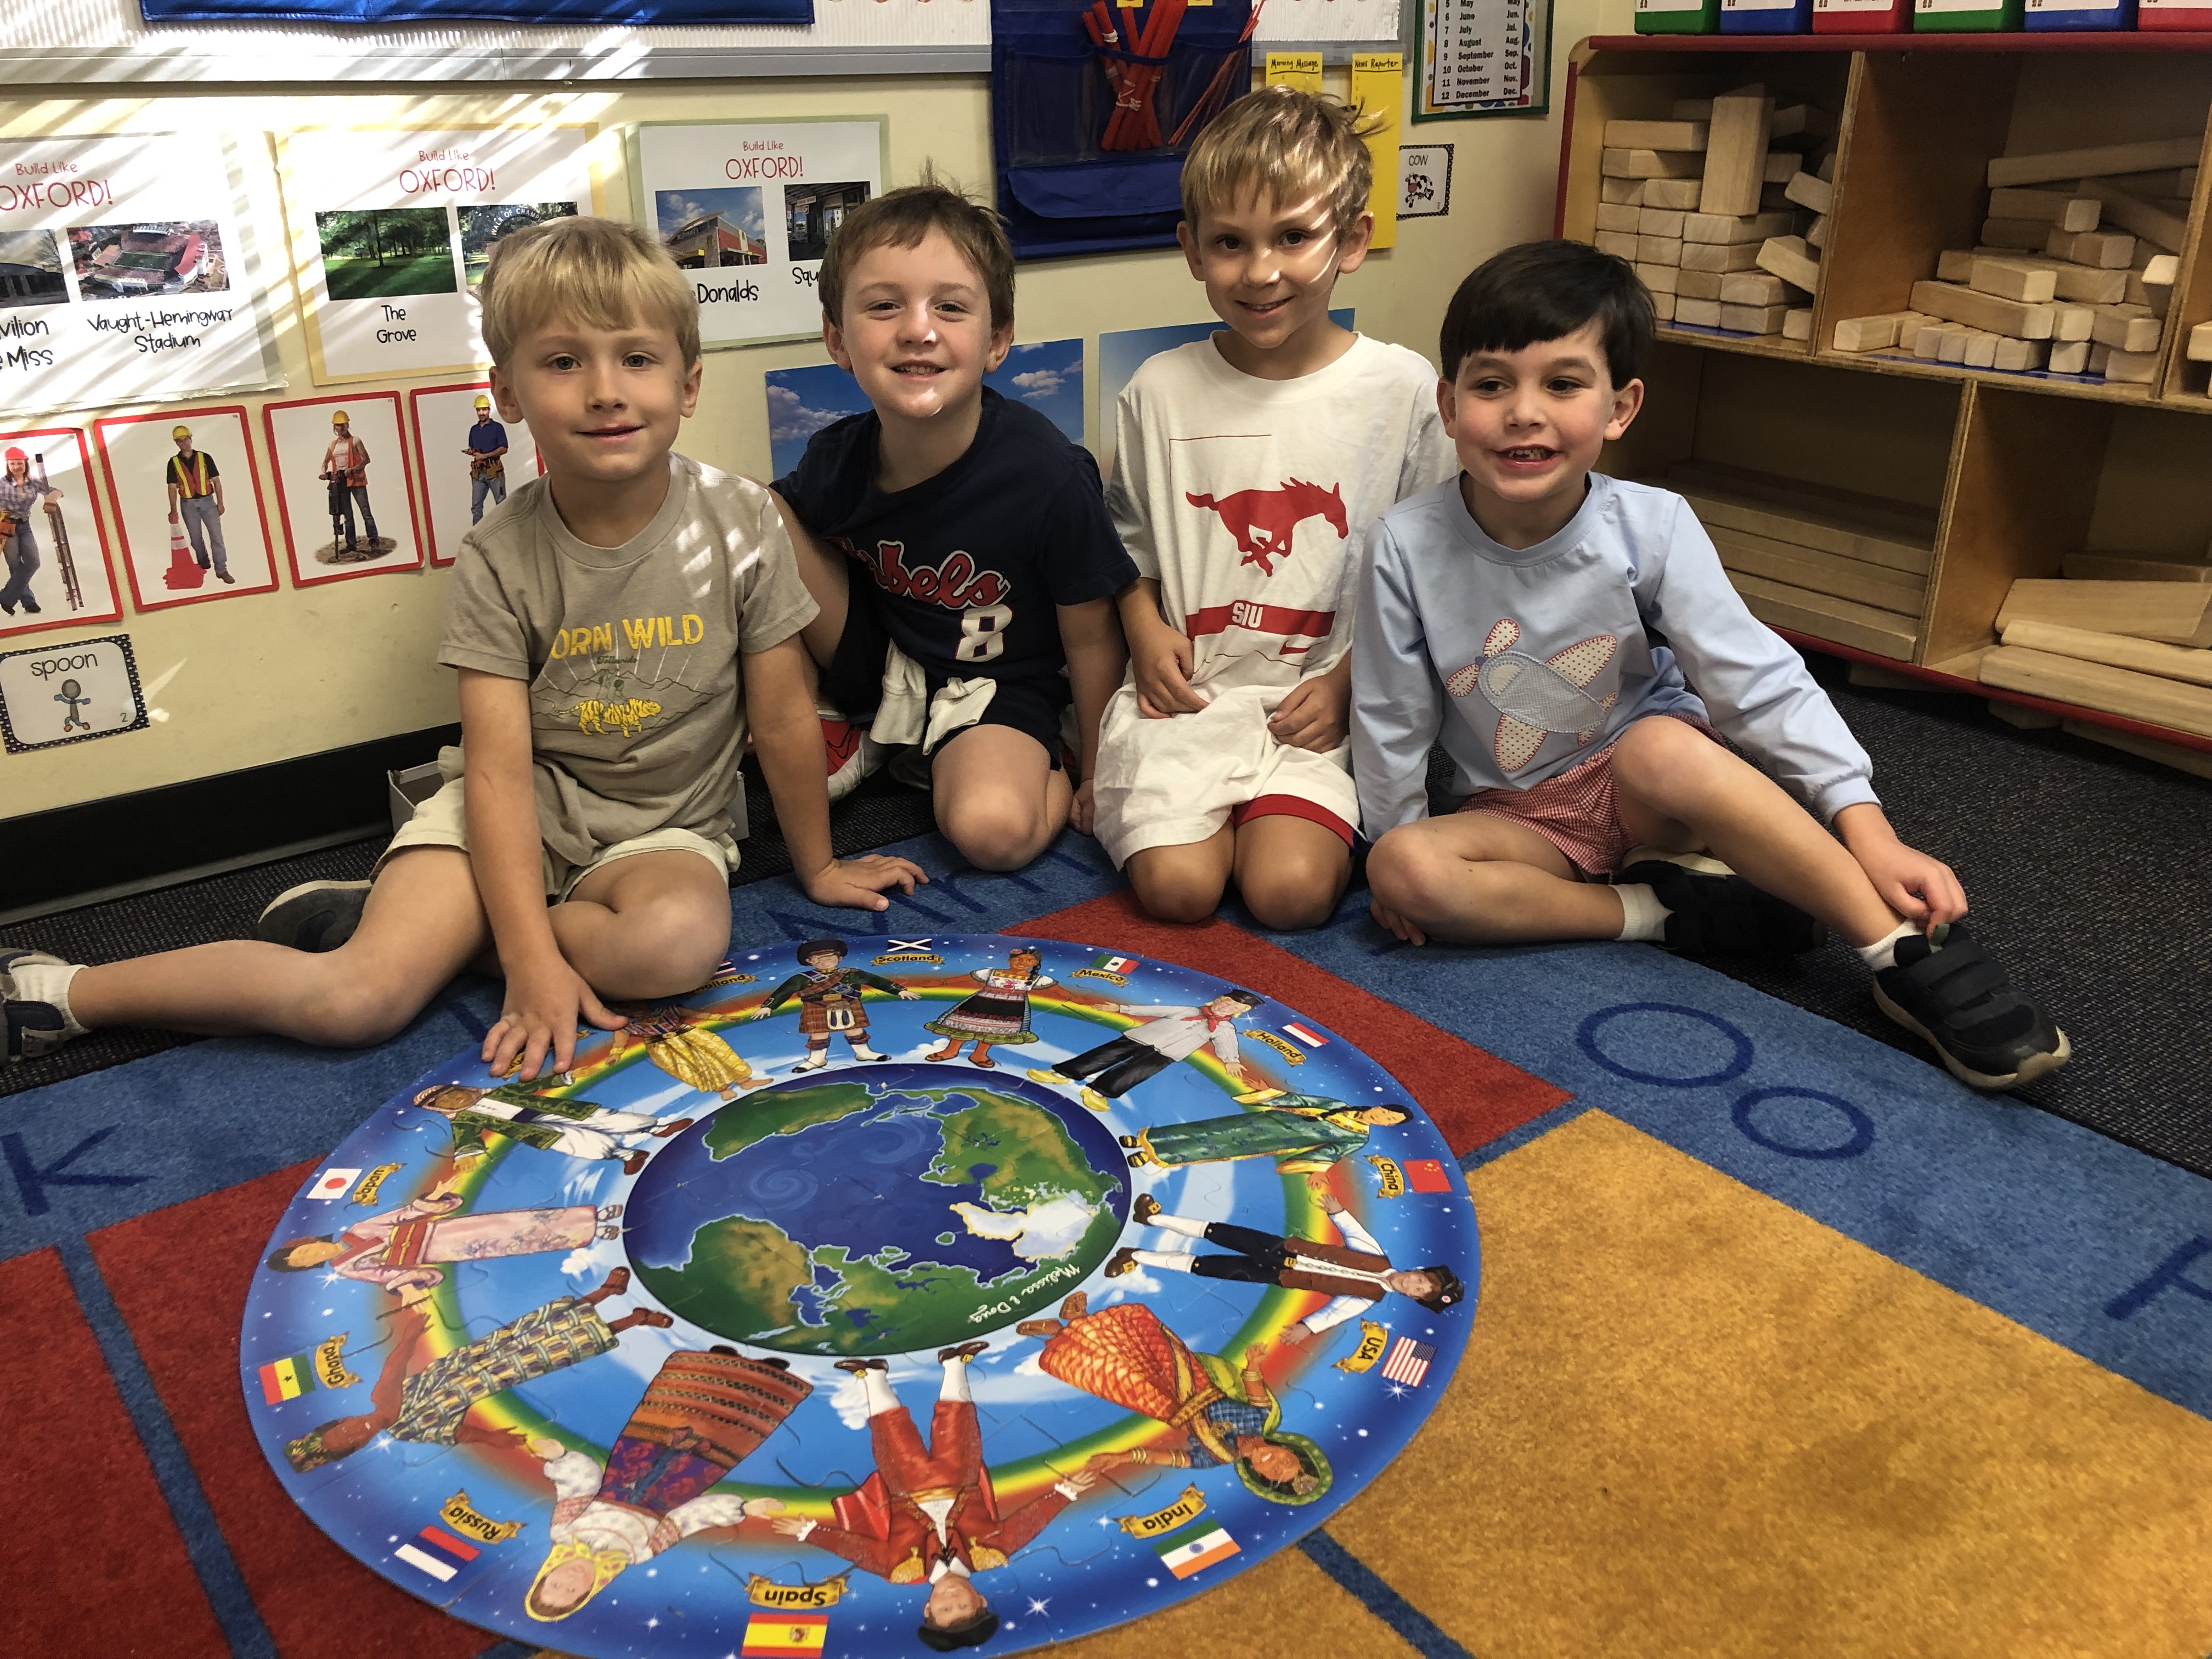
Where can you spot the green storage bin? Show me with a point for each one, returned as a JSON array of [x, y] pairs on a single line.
[[1965, 16], [1678, 16]]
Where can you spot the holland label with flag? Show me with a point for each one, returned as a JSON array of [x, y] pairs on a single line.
[[333, 1183], [786, 1635], [436, 1551], [1107, 962], [1408, 1362], [1306, 1034], [1426, 1174], [288, 1379], [1199, 1544]]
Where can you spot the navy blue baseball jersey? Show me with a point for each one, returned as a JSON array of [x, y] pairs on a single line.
[[971, 563]]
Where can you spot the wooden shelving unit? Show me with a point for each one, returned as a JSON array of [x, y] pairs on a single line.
[[2020, 469]]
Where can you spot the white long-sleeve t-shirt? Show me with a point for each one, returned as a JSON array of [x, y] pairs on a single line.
[[1525, 662]]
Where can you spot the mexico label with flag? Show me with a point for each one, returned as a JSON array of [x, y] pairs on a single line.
[[1199, 1545]]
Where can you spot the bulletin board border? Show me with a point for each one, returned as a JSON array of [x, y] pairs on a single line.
[[47, 620], [139, 602], [406, 478]]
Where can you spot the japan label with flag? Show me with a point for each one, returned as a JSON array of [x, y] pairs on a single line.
[[333, 1183]]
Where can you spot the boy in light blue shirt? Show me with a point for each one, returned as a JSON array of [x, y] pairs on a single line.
[[1510, 613]]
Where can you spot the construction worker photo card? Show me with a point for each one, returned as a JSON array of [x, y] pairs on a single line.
[[467, 457], [185, 490], [56, 572], [343, 486]]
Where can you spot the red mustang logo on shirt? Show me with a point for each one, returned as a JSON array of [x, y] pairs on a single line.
[[1264, 520]]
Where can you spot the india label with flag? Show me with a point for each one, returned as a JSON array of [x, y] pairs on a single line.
[[288, 1379], [786, 1635], [1199, 1544]]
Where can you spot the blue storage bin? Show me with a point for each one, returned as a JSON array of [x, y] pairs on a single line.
[[1765, 17], [2041, 16]]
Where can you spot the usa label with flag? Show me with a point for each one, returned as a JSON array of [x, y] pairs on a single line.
[[1408, 1362], [786, 1635], [1197, 1545], [333, 1183]]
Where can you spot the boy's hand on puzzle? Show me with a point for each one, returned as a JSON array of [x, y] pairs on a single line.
[[1161, 660], [1396, 923], [1922, 889], [1313, 714], [544, 1000], [1079, 810], [859, 883]]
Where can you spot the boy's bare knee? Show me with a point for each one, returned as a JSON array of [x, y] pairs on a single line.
[[683, 941], [997, 835], [1300, 894], [1656, 759], [1179, 892], [1405, 871], [353, 1010]]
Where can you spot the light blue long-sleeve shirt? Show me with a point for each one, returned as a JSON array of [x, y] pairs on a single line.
[[1526, 662]]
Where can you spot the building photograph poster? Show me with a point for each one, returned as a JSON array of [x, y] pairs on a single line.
[[126, 274], [392, 230], [747, 207]]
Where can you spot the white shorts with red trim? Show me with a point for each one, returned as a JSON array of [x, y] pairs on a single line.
[[1171, 783]]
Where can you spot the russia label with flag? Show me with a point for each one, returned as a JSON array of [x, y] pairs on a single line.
[[438, 1553], [1199, 1544], [786, 1635], [333, 1183]]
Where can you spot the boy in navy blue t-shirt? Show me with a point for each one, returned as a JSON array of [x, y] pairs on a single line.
[[960, 528]]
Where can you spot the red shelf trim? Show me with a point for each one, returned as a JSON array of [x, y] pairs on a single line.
[[2054, 40]]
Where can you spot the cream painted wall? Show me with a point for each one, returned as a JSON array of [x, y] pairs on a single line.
[[267, 677]]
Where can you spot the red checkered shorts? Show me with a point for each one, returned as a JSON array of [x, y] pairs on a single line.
[[1573, 810]]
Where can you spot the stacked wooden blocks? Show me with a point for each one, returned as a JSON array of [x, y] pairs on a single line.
[[1841, 566], [2132, 647], [1709, 205], [2074, 273]]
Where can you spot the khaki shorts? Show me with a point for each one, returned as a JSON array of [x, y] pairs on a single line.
[[439, 822]]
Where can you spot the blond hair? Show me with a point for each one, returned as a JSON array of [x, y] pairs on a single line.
[[903, 218], [1285, 144], [599, 273]]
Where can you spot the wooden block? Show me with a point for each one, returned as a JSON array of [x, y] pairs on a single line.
[[1620, 218], [2193, 761], [2053, 207], [2128, 367], [2077, 283], [2132, 567], [1654, 134], [1810, 192], [2072, 322], [1832, 573], [1951, 345], [1728, 229], [2174, 662], [2027, 719], [1867, 333], [1909, 325], [2163, 229], [1979, 310], [2147, 698], [1660, 279], [2015, 233], [1779, 166], [1693, 109], [2022, 282], [2162, 268], [1662, 305], [2175, 613], [1752, 319], [1778, 605], [1798, 323], [1735, 155], [1951, 265], [2126, 328], [2156, 298], [2016, 356], [2184, 181], [2100, 162], [1698, 284], [2107, 249], [1814, 506], [1982, 350], [1658, 250], [1789, 258], [1621, 192], [1705, 313], [1927, 343], [2200, 344], [1659, 221], [1720, 256], [1649, 163], [2071, 357], [1816, 233], [1826, 170], [1801, 121], [1680, 194], [1619, 243], [1756, 288]]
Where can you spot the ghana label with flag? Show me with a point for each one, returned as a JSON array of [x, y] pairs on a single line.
[[980, 1287]]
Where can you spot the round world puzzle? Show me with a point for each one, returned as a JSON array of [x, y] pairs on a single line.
[[883, 1296]]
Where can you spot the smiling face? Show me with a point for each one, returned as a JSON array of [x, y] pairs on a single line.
[[1528, 425], [1268, 271], [916, 330], [604, 404]]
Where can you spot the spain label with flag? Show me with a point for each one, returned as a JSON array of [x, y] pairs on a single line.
[[786, 1636], [288, 1379]]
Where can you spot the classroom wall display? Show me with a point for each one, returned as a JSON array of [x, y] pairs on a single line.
[[747, 207], [54, 567], [343, 486], [1049, 378], [127, 273], [1120, 354], [1328, 21], [462, 474], [50, 695], [392, 229], [1424, 180], [185, 490], [1482, 57]]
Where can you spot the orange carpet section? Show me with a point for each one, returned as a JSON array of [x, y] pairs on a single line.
[[1471, 1096]]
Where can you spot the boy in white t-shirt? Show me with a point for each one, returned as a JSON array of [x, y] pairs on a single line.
[[1246, 469]]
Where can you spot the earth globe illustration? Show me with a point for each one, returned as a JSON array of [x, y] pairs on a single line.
[[877, 1210]]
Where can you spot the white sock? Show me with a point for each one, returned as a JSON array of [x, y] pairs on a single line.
[[1883, 953], [956, 1382], [1174, 1262], [49, 983], [876, 1386], [1642, 916], [1178, 1224]]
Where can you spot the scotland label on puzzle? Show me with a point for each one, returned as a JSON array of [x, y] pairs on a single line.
[[883, 1296]]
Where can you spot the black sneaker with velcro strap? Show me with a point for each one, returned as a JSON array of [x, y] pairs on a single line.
[[1722, 916], [1950, 991]]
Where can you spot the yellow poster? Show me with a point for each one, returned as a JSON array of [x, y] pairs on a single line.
[[1378, 90], [1301, 70]]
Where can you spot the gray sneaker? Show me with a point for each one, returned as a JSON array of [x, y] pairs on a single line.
[[33, 1029], [316, 915]]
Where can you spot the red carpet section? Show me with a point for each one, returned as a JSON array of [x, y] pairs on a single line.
[[84, 1506], [179, 1277], [1472, 1095]]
